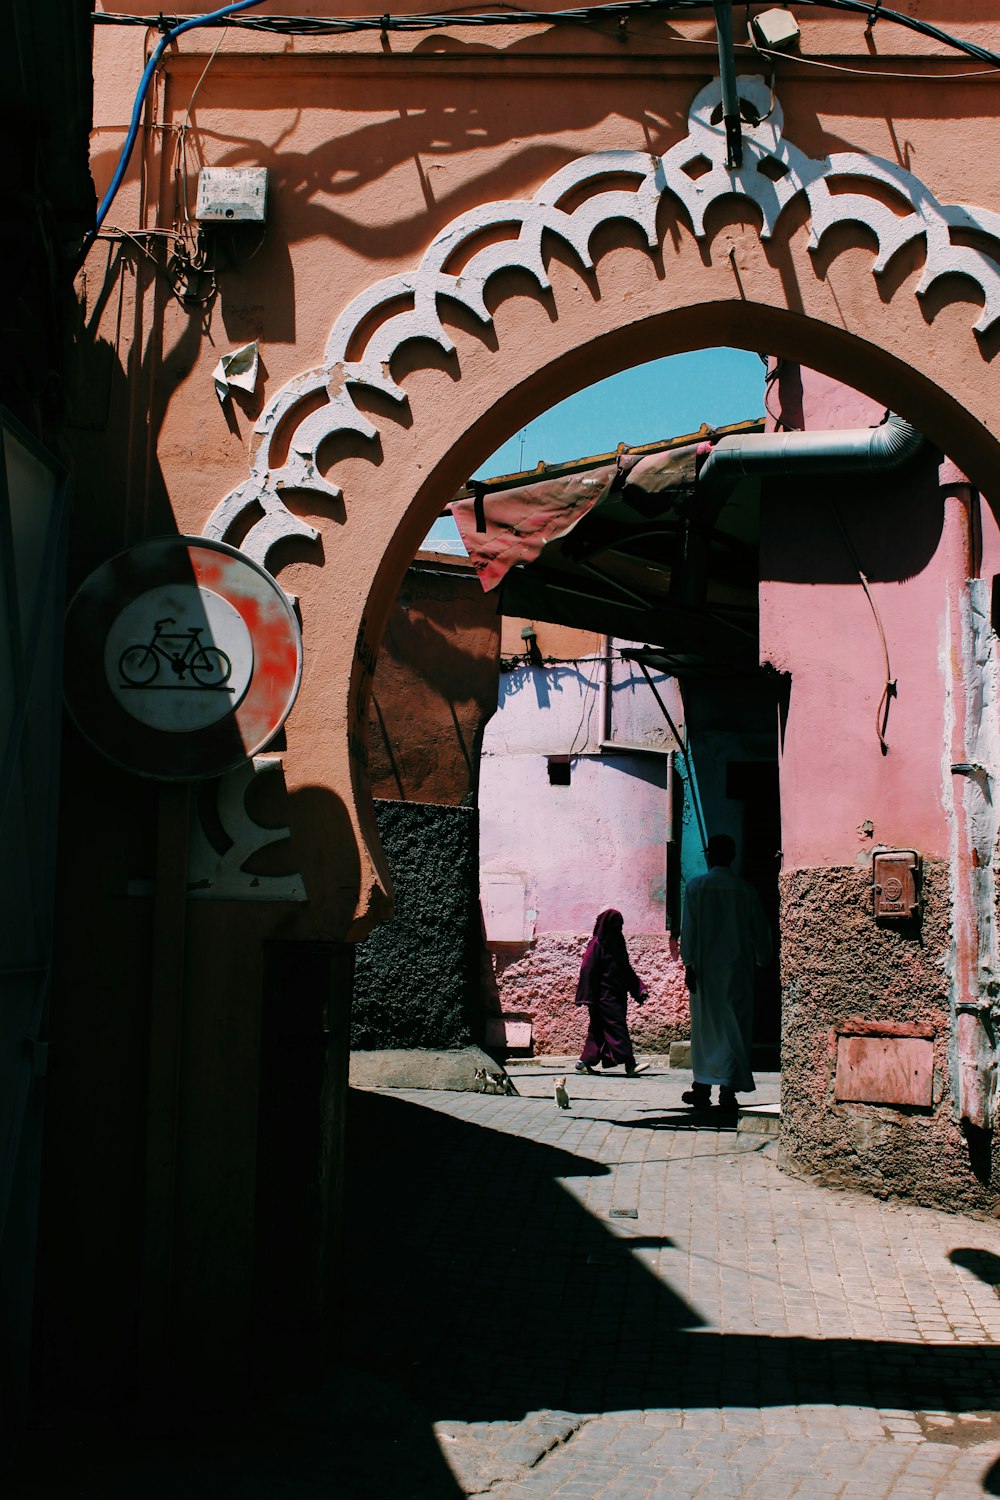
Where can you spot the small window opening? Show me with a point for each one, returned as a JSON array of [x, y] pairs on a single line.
[[560, 770]]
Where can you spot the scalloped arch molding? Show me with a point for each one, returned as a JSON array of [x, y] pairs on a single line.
[[693, 172]]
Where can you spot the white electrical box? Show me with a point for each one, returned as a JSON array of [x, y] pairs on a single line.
[[232, 195], [777, 29]]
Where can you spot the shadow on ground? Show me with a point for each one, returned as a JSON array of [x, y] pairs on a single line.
[[479, 1290], [494, 1292]]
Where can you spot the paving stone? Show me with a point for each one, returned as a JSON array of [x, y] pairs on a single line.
[[748, 1335]]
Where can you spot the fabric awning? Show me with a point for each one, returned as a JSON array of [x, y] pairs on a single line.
[[627, 546], [504, 528]]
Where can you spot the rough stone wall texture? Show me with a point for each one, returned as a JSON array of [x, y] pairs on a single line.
[[837, 965], [537, 982], [417, 978]]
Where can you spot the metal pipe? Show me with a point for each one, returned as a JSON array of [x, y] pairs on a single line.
[[727, 78], [974, 828], [849, 450], [681, 747], [607, 689]]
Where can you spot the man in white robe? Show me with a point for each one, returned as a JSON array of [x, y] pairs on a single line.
[[724, 935]]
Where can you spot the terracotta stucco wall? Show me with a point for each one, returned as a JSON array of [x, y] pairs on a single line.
[[373, 150], [435, 687], [358, 136]]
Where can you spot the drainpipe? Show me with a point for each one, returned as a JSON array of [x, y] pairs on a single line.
[[974, 828], [847, 450], [607, 689], [727, 78]]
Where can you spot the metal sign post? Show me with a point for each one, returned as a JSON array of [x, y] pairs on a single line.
[[183, 659]]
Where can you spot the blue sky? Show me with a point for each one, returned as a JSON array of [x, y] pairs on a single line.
[[663, 399]]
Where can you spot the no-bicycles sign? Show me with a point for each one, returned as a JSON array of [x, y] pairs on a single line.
[[183, 658]]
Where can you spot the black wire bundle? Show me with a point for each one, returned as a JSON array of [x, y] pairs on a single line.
[[620, 10]]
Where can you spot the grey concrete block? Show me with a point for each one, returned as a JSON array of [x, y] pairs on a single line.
[[680, 1054], [419, 1068], [759, 1119]]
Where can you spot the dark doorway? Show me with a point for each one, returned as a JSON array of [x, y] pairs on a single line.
[[732, 787], [754, 784]]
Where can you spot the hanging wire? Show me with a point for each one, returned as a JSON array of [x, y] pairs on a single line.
[[890, 690], [591, 684], [623, 11], [771, 379], [682, 751], [189, 265], [873, 17], [180, 144]]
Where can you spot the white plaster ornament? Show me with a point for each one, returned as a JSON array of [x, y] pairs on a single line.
[[774, 172]]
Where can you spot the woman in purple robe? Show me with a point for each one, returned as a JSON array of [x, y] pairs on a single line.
[[606, 981]]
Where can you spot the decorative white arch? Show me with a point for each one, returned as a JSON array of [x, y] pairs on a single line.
[[693, 172]]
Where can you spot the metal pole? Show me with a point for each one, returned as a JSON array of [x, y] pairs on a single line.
[[682, 747], [727, 75], [163, 1102]]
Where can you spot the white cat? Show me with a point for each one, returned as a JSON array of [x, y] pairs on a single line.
[[562, 1098]]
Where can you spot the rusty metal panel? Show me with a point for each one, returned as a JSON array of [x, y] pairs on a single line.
[[885, 1070], [896, 883]]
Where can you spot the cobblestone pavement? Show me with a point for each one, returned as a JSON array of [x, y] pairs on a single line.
[[622, 1300], [618, 1301]]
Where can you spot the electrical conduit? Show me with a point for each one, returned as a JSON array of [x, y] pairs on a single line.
[[104, 206]]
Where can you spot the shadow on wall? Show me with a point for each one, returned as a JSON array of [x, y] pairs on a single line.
[[891, 525], [324, 849]]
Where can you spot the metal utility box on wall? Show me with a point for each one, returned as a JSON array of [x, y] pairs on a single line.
[[232, 195], [896, 885], [777, 29]]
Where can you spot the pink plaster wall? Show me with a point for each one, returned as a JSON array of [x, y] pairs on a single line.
[[596, 843], [568, 852], [840, 795], [539, 984], [804, 400]]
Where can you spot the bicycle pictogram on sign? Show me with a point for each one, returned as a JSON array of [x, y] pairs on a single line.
[[204, 667]]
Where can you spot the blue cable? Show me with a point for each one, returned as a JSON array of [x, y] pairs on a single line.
[[133, 129]]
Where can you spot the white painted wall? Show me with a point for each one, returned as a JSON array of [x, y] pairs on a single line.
[[553, 856], [557, 710]]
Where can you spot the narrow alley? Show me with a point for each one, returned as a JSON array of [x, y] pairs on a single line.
[[624, 1300], [618, 1301]]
